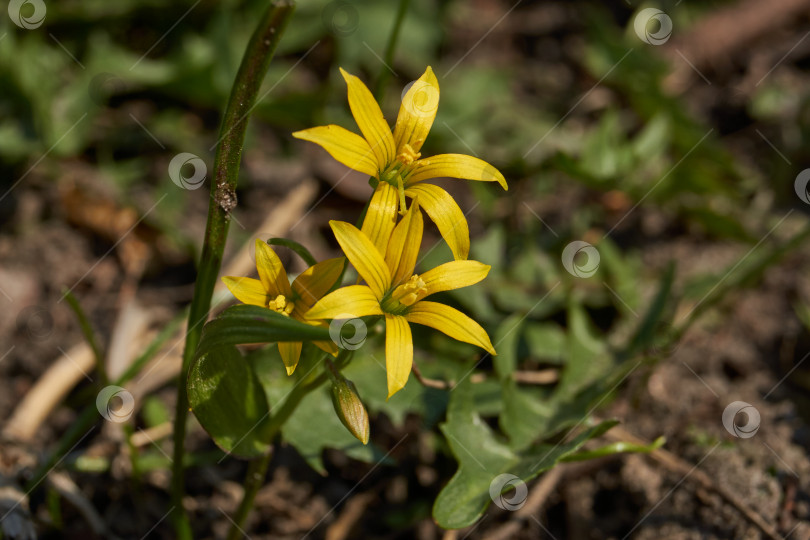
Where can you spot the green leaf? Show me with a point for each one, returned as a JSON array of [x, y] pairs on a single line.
[[546, 341], [616, 448], [507, 336], [588, 359], [229, 402], [482, 457], [313, 426], [243, 324], [525, 414]]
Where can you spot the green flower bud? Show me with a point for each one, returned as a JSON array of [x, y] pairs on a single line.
[[350, 409]]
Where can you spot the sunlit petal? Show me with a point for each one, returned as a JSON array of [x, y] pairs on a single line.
[[348, 148], [370, 120], [403, 249], [247, 290], [446, 214], [347, 302], [315, 281], [456, 166], [454, 275], [381, 215], [271, 271], [398, 352], [417, 112], [365, 258], [451, 322]]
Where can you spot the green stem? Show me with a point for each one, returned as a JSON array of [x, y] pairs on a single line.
[[382, 78], [246, 86], [257, 468]]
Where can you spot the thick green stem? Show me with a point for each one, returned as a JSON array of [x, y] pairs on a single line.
[[246, 86]]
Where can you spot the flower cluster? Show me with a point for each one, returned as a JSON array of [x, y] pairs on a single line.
[[385, 249]]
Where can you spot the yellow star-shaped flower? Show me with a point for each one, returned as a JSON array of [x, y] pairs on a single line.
[[395, 292], [272, 290], [395, 161]]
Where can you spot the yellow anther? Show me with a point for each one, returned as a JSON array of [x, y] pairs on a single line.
[[410, 292], [408, 155], [280, 305]]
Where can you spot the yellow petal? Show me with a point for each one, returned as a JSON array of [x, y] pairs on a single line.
[[290, 353], [381, 215], [347, 302], [454, 275], [370, 120], [348, 148], [365, 258], [398, 352], [315, 281], [247, 290], [417, 112], [271, 271], [445, 213], [327, 347], [451, 322], [403, 249], [456, 166]]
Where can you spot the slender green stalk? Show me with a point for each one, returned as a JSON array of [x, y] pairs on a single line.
[[246, 86], [89, 335], [257, 468], [382, 78]]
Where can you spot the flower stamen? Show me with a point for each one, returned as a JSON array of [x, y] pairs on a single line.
[[280, 305]]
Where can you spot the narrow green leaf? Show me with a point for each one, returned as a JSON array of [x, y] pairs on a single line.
[[616, 448], [243, 324]]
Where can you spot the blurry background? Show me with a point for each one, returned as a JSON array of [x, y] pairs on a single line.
[[655, 148]]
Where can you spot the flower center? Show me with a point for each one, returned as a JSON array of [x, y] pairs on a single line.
[[280, 305], [405, 295], [408, 155]]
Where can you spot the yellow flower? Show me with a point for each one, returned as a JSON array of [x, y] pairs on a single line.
[[395, 292], [394, 159], [272, 290]]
